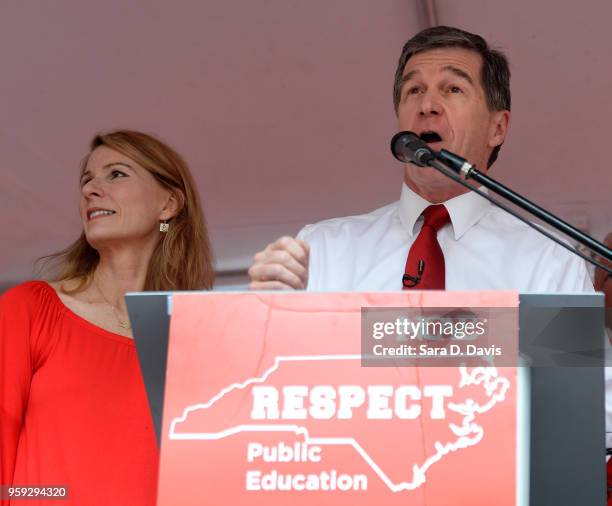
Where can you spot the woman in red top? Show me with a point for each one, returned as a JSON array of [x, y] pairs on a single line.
[[73, 409]]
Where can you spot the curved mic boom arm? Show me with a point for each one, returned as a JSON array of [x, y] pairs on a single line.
[[408, 147]]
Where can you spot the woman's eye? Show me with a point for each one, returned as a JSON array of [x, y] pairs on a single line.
[[117, 173], [84, 181], [413, 91], [455, 89]]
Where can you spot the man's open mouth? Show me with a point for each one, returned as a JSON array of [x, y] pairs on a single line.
[[430, 137]]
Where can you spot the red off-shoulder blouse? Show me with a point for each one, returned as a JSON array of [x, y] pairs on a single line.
[[73, 407]]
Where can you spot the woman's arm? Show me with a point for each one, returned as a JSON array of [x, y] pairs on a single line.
[[15, 374]]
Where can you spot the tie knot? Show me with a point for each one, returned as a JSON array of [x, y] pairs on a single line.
[[436, 216]]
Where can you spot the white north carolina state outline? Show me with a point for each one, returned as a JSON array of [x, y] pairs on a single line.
[[468, 409]]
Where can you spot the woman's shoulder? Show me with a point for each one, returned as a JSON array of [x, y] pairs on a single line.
[[32, 322], [31, 300], [31, 308], [29, 293]]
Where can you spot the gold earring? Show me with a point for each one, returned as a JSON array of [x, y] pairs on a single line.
[[164, 226]]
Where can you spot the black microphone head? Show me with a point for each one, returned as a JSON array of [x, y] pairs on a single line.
[[408, 147]]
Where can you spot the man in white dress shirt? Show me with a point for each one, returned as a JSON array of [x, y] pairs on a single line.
[[454, 91]]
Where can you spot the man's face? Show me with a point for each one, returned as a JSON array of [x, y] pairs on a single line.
[[442, 100]]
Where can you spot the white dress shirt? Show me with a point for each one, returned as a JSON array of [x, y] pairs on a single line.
[[484, 248]]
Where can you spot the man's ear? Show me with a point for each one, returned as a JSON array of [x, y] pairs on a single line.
[[174, 203], [499, 128]]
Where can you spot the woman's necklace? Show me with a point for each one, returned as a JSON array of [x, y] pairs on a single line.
[[124, 325]]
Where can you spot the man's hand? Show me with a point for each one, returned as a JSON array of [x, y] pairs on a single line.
[[283, 265]]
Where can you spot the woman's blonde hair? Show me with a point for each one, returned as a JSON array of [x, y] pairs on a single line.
[[182, 259]]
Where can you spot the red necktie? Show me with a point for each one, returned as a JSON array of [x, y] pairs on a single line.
[[425, 263]]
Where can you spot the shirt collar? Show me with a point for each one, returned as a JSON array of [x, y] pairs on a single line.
[[464, 210]]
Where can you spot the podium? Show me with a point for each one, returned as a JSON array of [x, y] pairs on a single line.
[[560, 423]]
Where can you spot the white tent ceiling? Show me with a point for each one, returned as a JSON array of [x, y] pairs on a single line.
[[283, 108]]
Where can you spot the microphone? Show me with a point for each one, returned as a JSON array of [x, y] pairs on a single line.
[[409, 147]]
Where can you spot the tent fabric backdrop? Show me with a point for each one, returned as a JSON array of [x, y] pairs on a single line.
[[283, 109]]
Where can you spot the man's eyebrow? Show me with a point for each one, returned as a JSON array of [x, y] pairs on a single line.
[[460, 73], [409, 76], [455, 70]]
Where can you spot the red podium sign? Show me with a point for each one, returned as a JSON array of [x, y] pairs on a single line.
[[267, 403]]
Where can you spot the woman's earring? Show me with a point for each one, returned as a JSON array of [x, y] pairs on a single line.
[[164, 226]]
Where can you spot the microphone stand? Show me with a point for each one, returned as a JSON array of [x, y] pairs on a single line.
[[408, 147], [460, 170]]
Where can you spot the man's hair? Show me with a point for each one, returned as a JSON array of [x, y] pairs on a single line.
[[494, 74]]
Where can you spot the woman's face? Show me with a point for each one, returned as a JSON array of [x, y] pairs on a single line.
[[121, 202]]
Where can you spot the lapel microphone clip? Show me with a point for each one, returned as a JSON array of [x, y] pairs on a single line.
[[411, 281]]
